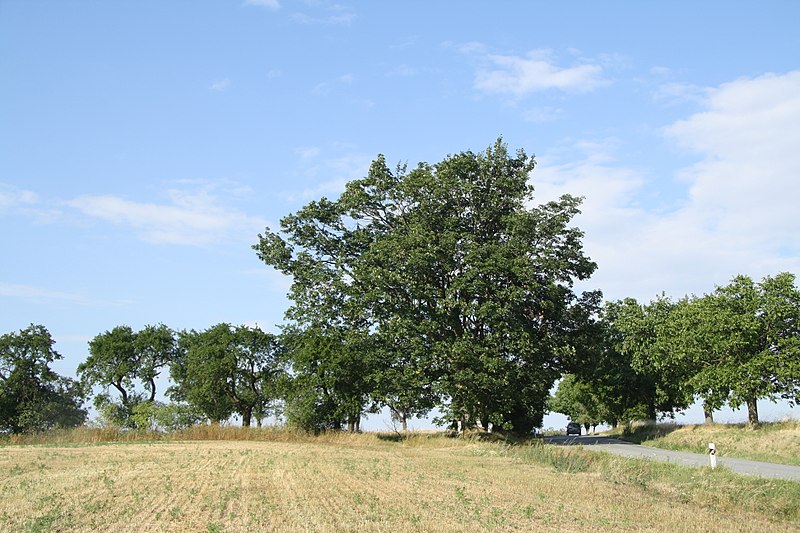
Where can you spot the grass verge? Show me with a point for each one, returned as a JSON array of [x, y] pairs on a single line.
[[717, 489], [772, 442]]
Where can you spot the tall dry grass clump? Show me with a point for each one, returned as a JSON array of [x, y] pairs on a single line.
[[214, 432]]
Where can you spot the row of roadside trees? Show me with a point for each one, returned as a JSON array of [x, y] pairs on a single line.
[[732, 347], [444, 287]]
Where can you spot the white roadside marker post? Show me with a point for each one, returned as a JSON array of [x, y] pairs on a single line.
[[712, 455]]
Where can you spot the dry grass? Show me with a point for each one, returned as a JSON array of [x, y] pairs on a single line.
[[775, 442], [342, 482]]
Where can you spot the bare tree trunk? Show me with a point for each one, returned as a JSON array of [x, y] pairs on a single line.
[[404, 423], [247, 415], [752, 412]]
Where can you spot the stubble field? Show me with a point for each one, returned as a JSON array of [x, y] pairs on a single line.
[[362, 483]]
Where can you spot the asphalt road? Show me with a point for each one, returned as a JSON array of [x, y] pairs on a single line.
[[628, 449]]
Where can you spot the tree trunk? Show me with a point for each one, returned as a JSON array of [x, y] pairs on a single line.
[[354, 423], [708, 414], [152, 389], [752, 412], [404, 423], [122, 392], [247, 415], [651, 410]]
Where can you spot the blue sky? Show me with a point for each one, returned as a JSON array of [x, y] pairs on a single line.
[[144, 145]]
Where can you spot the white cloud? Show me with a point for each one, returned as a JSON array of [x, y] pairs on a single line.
[[542, 114], [739, 213], [271, 4], [329, 13], [276, 282], [192, 217], [402, 71], [220, 85], [11, 197], [680, 92], [29, 292], [307, 152], [745, 187], [337, 172], [536, 71], [325, 87]]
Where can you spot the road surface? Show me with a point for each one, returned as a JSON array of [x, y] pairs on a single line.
[[628, 449]]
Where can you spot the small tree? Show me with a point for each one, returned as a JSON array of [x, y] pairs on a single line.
[[225, 370], [331, 378], [126, 364], [578, 401], [636, 336], [32, 396]]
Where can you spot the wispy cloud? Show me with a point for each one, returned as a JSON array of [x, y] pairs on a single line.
[[275, 282], [677, 92], [328, 13], [271, 4], [308, 152], [220, 85], [29, 292], [533, 72], [543, 114], [336, 171], [327, 86], [402, 71], [12, 197], [190, 217]]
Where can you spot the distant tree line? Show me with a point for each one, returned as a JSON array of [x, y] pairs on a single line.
[[440, 287]]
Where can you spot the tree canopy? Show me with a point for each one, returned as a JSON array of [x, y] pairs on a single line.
[[452, 265], [743, 341], [225, 370], [127, 363], [32, 396]]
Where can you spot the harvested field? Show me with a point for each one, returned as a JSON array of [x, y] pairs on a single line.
[[363, 485]]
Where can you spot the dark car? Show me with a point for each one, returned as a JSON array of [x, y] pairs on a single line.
[[573, 427]]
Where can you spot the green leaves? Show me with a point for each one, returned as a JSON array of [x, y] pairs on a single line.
[[447, 269], [225, 370], [748, 333], [733, 346], [129, 363], [32, 396]]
